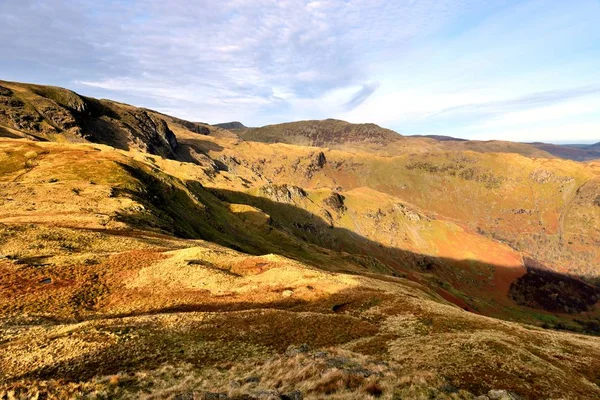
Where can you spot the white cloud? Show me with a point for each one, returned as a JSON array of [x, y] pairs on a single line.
[[403, 64]]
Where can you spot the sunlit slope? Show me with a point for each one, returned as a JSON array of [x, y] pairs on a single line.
[[521, 201]]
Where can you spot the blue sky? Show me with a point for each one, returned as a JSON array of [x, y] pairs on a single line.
[[501, 69]]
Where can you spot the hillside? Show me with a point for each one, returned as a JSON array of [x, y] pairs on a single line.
[[585, 153], [322, 267], [235, 125], [594, 147], [324, 133], [342, 135], [57, 114]]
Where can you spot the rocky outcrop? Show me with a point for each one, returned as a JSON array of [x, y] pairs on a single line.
[[497, 394], [43, 112], [317, 163], [153, 133], [283, 193], [336, 202]]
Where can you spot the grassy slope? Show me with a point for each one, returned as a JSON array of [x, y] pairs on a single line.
[[518, 200]]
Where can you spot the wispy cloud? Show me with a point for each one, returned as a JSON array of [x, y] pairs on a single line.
[[416, 66], [526, 102], [363, 94]]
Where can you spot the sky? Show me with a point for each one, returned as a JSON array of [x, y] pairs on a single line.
[[520, 70]]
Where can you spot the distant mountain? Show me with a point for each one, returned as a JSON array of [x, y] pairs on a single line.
[[595, 147], [441, 138], [234, 125], [570, 152], [322, 133]]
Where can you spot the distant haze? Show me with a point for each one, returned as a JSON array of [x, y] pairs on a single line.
[[504, 69]]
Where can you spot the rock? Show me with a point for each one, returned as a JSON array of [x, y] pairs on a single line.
[[252, 379], [360, 371], [336, 201], [294, 395], [266, 395], [320, 160], [287, 293], [316, 164], [338, 362], [283, 193], [189, 395], [448, 388], [295, 350], [155, 133], [496, 394], [234, 384], [410, 214], [214, 396], [482, 397], [227, 163]]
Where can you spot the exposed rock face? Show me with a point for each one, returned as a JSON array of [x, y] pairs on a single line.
[[336, 201], [227, 163], [155, 133], [318, 162], [43, 112], [409, 213], [496, 394], [283, 193]]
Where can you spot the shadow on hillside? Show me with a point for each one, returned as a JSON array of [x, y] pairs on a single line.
[[528, 293], [532, 290], [188, 153]]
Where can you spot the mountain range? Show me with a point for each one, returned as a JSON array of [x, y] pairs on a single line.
[[145, 255]]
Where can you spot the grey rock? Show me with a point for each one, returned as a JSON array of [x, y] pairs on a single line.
[[283, 193], [295, 350], [189, 395], [294, 395], [497, 394], [214, 396], [252, 379], [266, 395], [338, 362]]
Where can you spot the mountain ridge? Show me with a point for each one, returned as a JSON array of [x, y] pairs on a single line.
[[139, 263]]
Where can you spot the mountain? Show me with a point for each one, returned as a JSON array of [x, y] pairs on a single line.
[[329, 132], [235, 125], [594, 147], [325, 260], [440, 138], [583, 153]]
